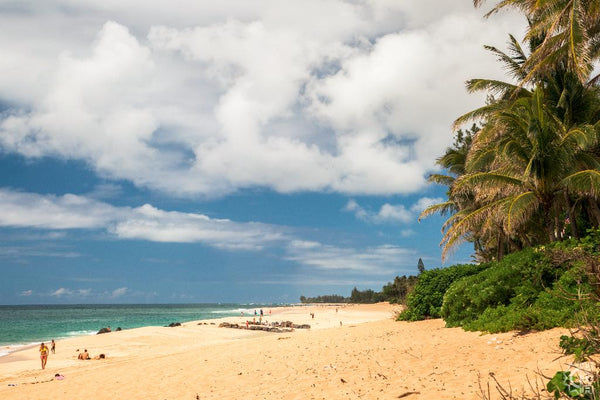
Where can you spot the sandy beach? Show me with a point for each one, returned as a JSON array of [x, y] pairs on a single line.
[[350, 352]]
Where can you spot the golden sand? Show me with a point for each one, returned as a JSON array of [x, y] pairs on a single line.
[[356, 352]]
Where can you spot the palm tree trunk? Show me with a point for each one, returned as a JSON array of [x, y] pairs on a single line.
[[594, 211], [571, 215], [550, 223], [500, 245], [573, 221], [574, 227]]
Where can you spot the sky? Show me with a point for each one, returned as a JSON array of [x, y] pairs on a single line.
[[179, 151]]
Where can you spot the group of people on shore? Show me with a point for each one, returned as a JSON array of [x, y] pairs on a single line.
[[45, 351]]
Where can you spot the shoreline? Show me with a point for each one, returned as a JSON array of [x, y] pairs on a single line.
[[369, 355], [279, 313], [8, 348], [231, 309]]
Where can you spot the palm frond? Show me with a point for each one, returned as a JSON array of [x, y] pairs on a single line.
[[480, 113], [584, 182], [583, 136], [519, 208], [441, 179], [579, 55], [484, 180], [440, 208], [493, 87], [463, 222], [514, 65]]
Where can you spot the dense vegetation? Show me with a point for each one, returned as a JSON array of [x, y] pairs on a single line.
[[541, 288], [398, 290], [425, 300]]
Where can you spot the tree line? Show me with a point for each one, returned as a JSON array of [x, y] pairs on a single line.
[[393, 292]]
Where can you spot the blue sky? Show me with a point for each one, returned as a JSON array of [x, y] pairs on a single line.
[[227, 151]]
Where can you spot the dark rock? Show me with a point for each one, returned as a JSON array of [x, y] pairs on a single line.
[[174, 324], [284, 324], [255, 328]]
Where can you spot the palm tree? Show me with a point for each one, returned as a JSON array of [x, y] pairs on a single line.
[[485, 232], [454, 161], [532, 159], [570, 30], [533, 163]]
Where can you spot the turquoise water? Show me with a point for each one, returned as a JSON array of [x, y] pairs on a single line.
[[23, 325]]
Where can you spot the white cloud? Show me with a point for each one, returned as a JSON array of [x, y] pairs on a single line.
[[16, 252], [407, 233], [353, 207], [55, 212], [91, 294], [395, 213], [29, 210], [425, 202], [304, 244], [119, 292], [152, 224], [26, 293], [391, 213], [383, 260], [105, 191], [64, 292], [212, 97]]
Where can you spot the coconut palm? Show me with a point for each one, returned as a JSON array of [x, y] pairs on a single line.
[[570, 30], [533, 163], [529, 158], [454, 161], [485, 233], [535, 160]]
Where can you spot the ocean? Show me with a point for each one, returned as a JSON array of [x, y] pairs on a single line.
[[31, 324]]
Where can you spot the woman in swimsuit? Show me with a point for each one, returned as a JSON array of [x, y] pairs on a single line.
[[43, 354]]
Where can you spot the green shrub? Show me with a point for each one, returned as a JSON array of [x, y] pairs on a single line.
[[531, 307], [425, 301], [534, 289], [581, 348], [517, 279]]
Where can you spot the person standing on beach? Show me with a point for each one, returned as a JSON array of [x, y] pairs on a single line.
[[53, 347], [44, 354]]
